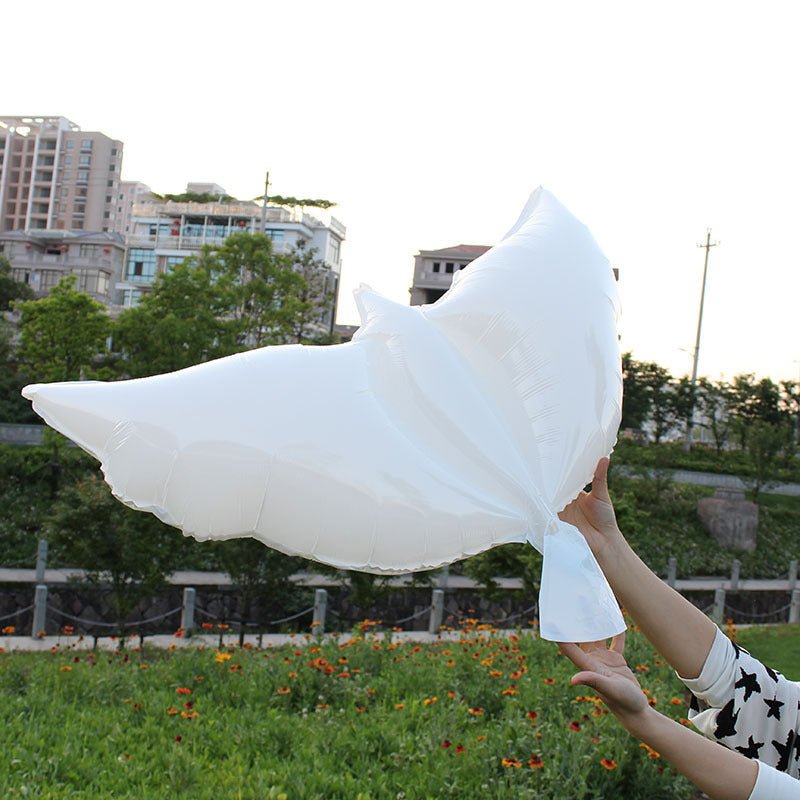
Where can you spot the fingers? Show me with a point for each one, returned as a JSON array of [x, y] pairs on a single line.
[[577, 656], [600, 480]]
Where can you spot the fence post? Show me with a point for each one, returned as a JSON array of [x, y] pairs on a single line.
[[39, 610], [719, 606], [187, 610], [437, 611], [320, 609], [794, 608], [735, 570], [792, 574], [41, 561], [672, 571]]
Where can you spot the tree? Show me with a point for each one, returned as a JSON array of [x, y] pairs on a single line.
[[684, 401], [261, 287], [13, 407], [63, 335], [262, 576], [636, 400], [713, 402], [754, 401], [314, 297], [765, 441], [128, 550], [176, 325], [660, 391], [11, 289]]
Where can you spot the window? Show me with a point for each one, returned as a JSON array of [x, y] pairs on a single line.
[[67, 161], [77, 223], [110, 183], [141, 265], [172, 261], [83, 176], [106, 215], [448, 267], [437, 266], [87, 250], [85, 159], [461, 266], [86, 144], [70, 144], [108, 198], [113, 151], [81, 191], [79, 208], [276, 236], [111, 167]]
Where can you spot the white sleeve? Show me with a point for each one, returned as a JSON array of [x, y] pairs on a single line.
[[774, 785], [747, 707]]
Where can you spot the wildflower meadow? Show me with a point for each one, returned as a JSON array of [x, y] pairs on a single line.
[[477, 713]]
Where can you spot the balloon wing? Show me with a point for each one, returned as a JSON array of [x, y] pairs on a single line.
[[438, 432]]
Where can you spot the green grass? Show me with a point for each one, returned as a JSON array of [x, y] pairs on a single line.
[[354, 725], [777, 646]]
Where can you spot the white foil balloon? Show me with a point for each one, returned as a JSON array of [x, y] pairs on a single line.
[[438, 432]]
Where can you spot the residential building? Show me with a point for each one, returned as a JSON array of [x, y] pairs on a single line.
[[54, 176], [164, 233], [205, 188], [434, 270], [130, 193], [41, 258]]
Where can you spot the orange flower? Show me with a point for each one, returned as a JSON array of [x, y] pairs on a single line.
[[189, 714], [450, 663], [284, 690], [8, 630], [460, 748], [480, 738], [445, 743], [183, 690], [292, 675], [510, 690], [574, 726], [398, 706], [361, 709], [608, 763], [642, 668], [549, 681], [676, 701], [476, 712], [511, 762], [532, 715], [172, 711], [430, 700], [495, 673], [535, 762], [451, 695], [65, 669]]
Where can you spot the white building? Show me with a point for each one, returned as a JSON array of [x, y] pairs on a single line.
[[164, 233], [434, 270]]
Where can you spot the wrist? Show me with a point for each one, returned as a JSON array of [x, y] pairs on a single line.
[[642, 724]]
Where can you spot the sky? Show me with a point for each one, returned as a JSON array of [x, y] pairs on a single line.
[[429, 123]]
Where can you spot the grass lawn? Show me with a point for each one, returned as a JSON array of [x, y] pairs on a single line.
[[478, 717], [776, 645]]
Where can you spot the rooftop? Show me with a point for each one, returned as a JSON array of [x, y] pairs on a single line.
[[468, 251]]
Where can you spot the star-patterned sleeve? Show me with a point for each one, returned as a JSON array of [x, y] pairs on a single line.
[[751, 709]]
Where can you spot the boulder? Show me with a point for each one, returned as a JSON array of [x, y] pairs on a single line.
[[730, 519]]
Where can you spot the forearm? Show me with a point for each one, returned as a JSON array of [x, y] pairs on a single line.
[[678, 630], [721, 773]]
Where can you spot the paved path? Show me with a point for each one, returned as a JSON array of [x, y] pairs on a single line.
[[716, 480]]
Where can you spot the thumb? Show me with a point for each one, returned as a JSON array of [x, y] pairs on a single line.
[[600, 480], [600, 683]]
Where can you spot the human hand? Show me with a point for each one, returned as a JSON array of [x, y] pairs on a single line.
[[593, 514], [606, 671]]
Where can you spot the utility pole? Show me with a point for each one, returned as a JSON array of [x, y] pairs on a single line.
[[707, 246], [264, 206]]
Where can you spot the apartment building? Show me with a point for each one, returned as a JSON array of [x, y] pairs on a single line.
[[41, 258], [164, 233], [434, 270], [54, 176]]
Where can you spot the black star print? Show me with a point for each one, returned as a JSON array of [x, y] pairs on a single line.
[[784, 751], [751, 751], [772, 673], [749, 682], [774, 706], [694, 704], [796, 747], [726, 722]]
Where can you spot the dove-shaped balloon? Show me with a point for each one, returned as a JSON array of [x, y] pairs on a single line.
[[438, 432]]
